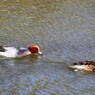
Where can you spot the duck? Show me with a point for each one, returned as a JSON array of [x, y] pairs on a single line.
[[86, 65], [15, 51]]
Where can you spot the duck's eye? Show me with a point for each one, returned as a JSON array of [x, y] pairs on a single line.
[[36, 49]]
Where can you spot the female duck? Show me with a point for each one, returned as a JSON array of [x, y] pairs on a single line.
[[85, 65], [14, 51]]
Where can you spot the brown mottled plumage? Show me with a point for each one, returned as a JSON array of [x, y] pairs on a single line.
[[86, 65]]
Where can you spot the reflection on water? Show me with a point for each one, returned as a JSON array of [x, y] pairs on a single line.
[[65, 32]]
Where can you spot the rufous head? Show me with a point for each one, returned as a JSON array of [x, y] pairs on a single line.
[[34, 49]]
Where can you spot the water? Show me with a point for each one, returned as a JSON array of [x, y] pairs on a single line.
[[65, 32]]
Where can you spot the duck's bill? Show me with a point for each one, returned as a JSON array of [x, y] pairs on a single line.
[[40, 53], [72, 66]]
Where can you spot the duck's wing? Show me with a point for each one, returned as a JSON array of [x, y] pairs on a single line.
[[2, 49], [22, 50], [8, 48], [87, 62]]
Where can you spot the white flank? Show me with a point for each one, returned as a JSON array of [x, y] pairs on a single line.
[[10, 52]]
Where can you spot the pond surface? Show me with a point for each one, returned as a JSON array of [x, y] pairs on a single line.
[[65, 32]]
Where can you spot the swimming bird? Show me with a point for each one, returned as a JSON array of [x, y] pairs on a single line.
[[15, 51], [87, 65]]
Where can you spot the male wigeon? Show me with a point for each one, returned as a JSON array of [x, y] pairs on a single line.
[[14, 51]]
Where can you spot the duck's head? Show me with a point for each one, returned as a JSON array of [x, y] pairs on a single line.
[[34, 49]]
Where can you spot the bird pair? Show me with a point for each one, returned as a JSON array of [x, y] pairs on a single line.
[[14, 51]]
